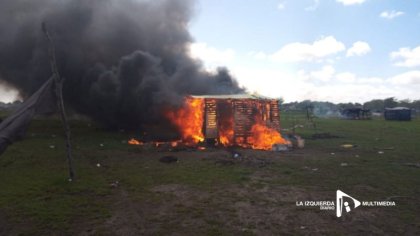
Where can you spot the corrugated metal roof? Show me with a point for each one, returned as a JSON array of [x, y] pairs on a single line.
[[233, 96]]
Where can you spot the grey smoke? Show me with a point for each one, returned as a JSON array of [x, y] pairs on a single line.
[[123, 60]]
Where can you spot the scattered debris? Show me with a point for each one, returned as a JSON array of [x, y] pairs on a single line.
[[52, 146], [134, 141], [234, 153], [168, 159], [98, 165], [114, 184], [101, 145], [356, 156], [344, 164], [309, 168], [333, 153], [300, 142], [279, 148], [297, 141], [380, 152], [348, 146]]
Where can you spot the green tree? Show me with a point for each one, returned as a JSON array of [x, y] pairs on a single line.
[[390, 102], [374, 105]]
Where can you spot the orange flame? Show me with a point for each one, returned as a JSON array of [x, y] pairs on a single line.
[[260, 136], [134, 142], [263, 137], [175, 143], [189, 120], [226, 133]]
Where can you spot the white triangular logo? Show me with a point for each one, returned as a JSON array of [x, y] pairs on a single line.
[[340, 203]]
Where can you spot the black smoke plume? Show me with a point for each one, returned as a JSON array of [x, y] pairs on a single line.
[[123, 60]]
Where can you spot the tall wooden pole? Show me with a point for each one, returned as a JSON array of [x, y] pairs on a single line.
[[59, 93]]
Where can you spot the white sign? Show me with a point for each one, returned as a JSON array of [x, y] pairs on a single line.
[[344, 203]]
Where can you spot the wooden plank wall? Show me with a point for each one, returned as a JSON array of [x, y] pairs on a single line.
[[244, 113], [210, 119]]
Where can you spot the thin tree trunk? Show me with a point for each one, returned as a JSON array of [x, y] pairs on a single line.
[[59, 92]]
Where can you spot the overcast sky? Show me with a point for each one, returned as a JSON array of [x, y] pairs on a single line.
[[330, 50]]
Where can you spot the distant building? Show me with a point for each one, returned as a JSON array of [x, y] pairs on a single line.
[[398, 113], [356, 113]]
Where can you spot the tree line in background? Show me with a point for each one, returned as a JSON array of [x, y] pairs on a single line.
[[11, 105], [376, 105], [332, 109], [379, 105]]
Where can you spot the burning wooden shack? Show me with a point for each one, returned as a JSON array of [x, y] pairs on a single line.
[[229, 120]]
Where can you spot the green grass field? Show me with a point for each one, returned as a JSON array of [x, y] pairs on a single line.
[[210, 192]]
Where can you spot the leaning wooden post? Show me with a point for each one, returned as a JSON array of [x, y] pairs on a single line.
[[59, 93]]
